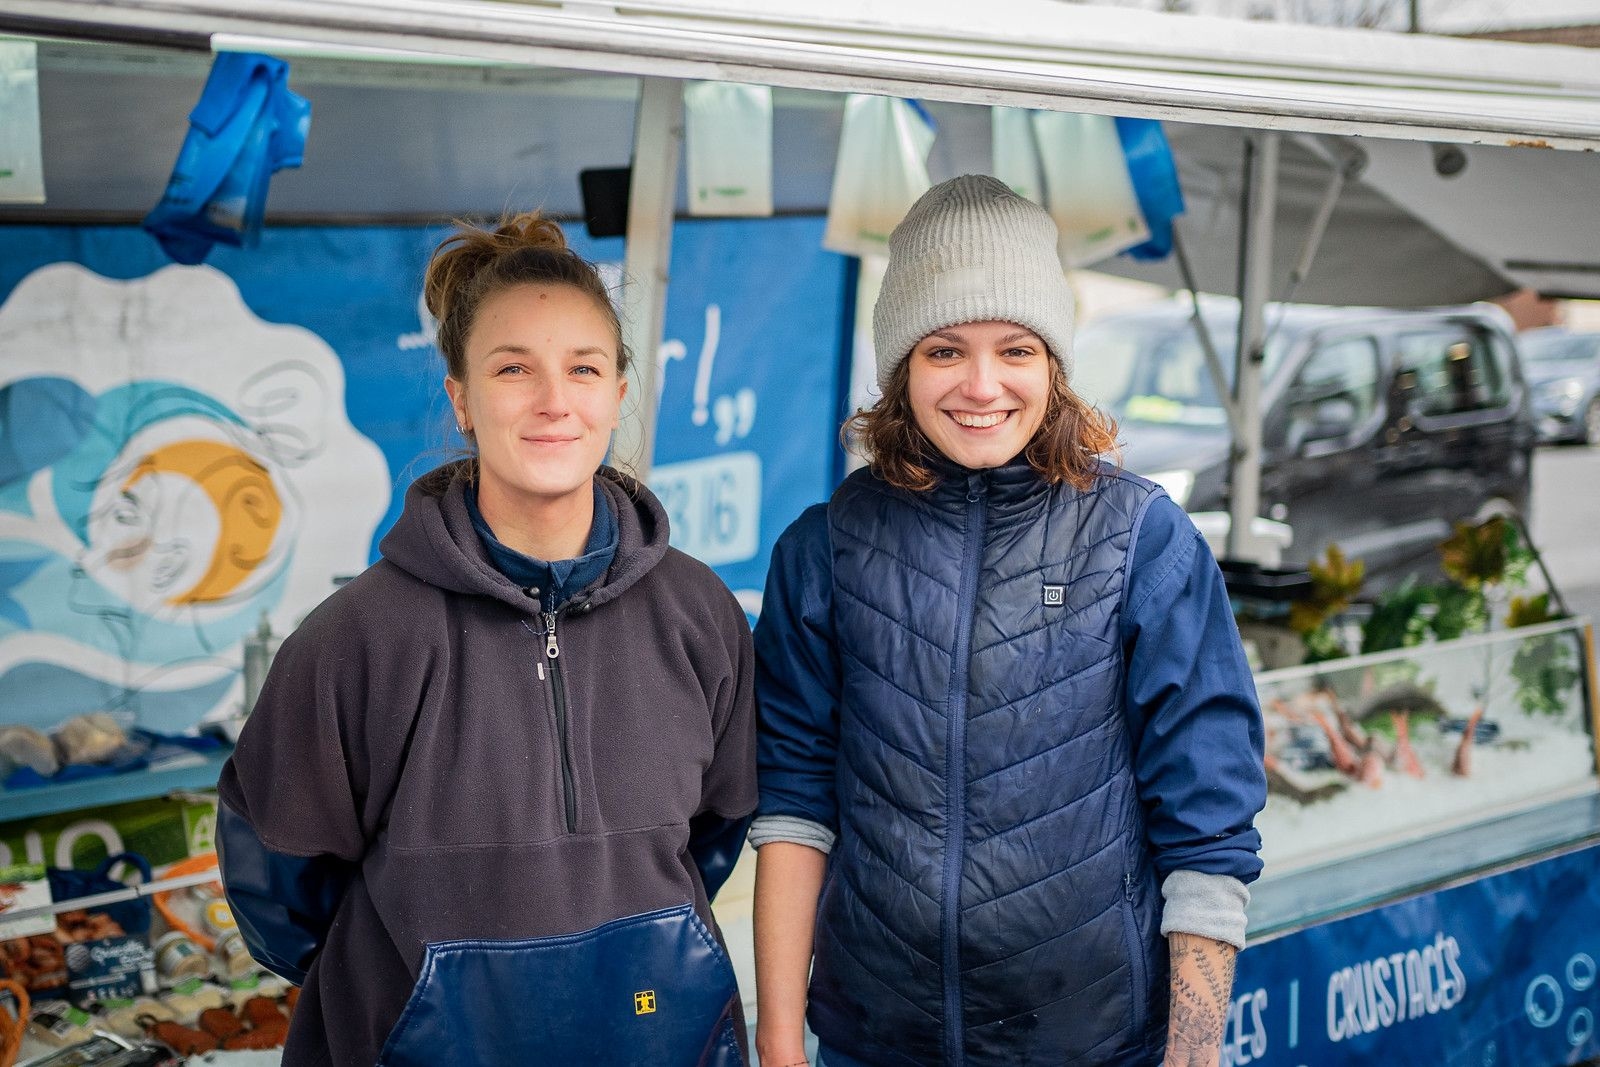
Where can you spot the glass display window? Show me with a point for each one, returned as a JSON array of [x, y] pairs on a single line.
[[1370, 752]]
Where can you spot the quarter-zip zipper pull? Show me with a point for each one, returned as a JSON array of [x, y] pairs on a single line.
[[551, 649]]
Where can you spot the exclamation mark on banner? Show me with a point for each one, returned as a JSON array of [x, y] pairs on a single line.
[[1294, 1013], [702, 373]]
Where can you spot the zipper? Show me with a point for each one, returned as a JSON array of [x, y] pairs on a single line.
[[558, 689], [955, 768], [1130, 925]]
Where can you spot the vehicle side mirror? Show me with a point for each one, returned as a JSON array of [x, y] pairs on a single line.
[[1324, 420]]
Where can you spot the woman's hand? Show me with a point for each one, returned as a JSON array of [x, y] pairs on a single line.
[[1202, 987], [788, 883]]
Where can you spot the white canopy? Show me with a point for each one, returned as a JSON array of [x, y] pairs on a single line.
[[1032, 53]]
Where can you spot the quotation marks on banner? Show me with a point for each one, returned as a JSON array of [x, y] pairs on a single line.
[[734, 415], [1545, 1000]]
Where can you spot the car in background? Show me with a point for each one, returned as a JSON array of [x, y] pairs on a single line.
[[1563, 370], [1381, 428]]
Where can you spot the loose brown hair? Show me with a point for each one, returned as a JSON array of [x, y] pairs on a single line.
[[473, 264], [1066, 447]]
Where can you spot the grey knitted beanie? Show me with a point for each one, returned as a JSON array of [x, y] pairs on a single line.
[[971, 250]]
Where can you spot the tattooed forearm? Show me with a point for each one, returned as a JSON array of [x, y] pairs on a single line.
[[1202, 985]]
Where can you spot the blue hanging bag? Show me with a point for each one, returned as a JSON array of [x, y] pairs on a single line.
[[246, 126], [1155, 183]]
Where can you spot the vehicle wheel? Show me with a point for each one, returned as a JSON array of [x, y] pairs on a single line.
[[1591, 423]]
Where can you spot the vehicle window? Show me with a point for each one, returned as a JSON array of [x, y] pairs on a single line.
[[1155, 371], [1448, 371], [1501, 347], [1345, 369], [1540, 347]]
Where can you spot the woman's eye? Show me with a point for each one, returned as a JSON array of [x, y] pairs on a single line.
[[1019, 353], [509, 369], [943, 353], [585, 369]]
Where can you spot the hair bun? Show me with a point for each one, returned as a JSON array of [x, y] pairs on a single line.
[[471, 249], [530, 229]]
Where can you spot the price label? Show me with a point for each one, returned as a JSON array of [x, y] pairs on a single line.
[[713, 506]]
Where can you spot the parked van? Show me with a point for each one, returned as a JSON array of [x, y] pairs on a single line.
[[1381, 428]]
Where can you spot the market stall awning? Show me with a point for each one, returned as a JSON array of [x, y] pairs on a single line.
[[1407, 229], [1034, 53], [407, 142]]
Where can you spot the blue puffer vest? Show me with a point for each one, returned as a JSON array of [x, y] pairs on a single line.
[[990, 899]]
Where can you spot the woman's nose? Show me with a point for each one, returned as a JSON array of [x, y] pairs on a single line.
[[983, 381], [550, 396]]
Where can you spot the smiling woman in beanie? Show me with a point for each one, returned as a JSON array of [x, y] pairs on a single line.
[[1010, 754]]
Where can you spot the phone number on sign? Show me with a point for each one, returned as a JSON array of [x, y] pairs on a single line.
[[713, 506]]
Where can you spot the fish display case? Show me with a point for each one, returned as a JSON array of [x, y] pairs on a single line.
[[1432, 859], [1368, 753]]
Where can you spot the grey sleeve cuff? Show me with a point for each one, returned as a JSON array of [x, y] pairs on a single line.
[[770, 828], [1210, 905]]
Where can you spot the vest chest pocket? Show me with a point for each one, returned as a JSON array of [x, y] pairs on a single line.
[[654, 989]]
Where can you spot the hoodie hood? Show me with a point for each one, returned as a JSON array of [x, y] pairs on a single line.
[[434, 540]]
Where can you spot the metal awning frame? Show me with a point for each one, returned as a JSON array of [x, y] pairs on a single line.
[[1181, 68]]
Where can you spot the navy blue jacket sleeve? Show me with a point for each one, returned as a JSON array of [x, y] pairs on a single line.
[[715, 843], [289, 824], [283, 904], [728, 790], [1191, 702], [797, 676]]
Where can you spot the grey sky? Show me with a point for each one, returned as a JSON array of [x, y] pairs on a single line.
[[1440, 16], [1465, 16]]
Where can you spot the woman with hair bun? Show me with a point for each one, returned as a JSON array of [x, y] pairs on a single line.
[[1010, 754], [492, 784]]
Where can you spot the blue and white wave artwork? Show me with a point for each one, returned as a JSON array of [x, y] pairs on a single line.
[[172, 468]]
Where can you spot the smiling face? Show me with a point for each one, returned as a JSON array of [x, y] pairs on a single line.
[[541, 395], [979, 391]]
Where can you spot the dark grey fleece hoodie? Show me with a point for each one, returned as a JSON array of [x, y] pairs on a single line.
[[428, 814]]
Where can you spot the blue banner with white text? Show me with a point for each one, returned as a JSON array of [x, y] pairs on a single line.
[[1498, 972]]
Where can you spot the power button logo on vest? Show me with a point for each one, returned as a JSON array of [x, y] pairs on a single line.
[[1055, 595]]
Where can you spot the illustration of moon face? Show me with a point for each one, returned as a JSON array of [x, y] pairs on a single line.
[[246, 506], [184, 523]]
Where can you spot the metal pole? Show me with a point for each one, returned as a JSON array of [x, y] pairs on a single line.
[[1256, 210], [1219, 377], [1416, 16], [652, 197]]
